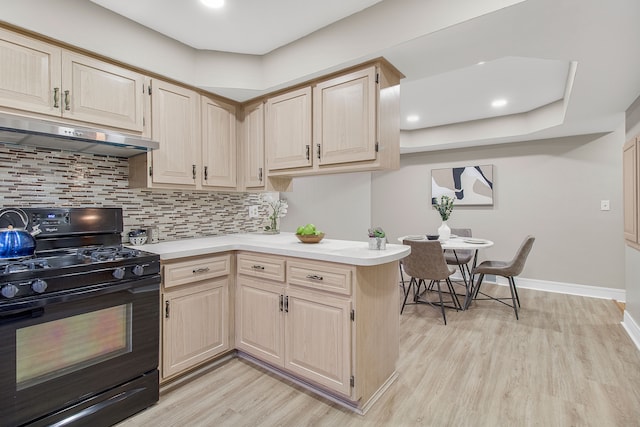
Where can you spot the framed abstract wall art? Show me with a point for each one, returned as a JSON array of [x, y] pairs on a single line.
[[468, 185]]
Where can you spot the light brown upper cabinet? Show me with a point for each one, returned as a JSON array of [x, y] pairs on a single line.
[[347, 121], [252, 167], [288, 130], [344, 127], [175, 113], [30, 74], [96, 92], [197, 136], [631, 190], [354, 124], [42, 78], [218, 144]]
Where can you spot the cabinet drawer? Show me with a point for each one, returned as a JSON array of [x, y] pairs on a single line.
[[317, 275], [195, 269], [272, 268]]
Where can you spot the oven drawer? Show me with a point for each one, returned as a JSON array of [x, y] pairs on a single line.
[[265, 266], [195, 269], [320, 275]]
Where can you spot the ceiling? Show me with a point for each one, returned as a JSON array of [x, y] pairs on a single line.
[[253, 27], [563, 67]]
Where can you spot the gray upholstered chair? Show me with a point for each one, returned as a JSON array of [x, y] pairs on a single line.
[[424, 264], [460, 258], [507, 269]]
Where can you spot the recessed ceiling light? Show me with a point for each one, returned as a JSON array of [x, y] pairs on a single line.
[[481, 63], [499, 103], [213, 4], [413, 118]]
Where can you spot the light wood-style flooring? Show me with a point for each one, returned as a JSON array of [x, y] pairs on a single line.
[[566, 362]]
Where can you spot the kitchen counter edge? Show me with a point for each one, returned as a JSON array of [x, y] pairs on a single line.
[[285, 244]]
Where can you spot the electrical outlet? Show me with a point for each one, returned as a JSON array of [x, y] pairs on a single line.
[[604, 205], [253, 211]]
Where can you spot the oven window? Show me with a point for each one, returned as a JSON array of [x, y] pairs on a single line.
[[53, 349]]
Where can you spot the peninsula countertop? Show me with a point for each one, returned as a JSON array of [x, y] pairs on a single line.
[[287, 244]]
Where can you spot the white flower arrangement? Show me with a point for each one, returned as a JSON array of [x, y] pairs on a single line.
[[278, 210]]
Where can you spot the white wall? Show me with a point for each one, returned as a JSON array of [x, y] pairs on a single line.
[[339, 205], [549, 188]]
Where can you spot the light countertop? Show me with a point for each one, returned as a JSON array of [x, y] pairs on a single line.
[[286, 244]]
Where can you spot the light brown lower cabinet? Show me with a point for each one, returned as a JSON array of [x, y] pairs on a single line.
[[330, 327], [195, 312], [334, 326]]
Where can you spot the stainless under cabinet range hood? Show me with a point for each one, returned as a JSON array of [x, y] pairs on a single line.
[[42, 133]]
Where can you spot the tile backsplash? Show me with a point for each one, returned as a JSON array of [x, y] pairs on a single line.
[[49, 178]]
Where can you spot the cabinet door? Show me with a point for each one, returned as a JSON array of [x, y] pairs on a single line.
[[288, 130], [630, 190], [97, 92], [259, 319], [318, 338], [345, 118], [195, 324], [218, 144], [176, 126], [253, 134], [29, 74]]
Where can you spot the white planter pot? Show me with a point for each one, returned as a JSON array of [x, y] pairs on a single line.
[[444, 232]]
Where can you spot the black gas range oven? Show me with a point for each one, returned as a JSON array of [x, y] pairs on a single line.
[[79, 323]]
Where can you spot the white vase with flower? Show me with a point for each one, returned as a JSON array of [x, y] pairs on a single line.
[[444, 207], [278, 209]]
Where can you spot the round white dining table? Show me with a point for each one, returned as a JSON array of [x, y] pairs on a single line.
[[454, 244]]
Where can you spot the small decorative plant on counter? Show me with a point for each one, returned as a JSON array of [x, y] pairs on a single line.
[[278, 210], [377, 239]]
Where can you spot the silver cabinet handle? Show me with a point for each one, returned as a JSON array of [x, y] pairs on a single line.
[[206, 173], [286, 304], [260, 174], [166, 309], [314, 277], [257, 267], [67, 101], [56, 97], [281, 302], [307, 152], [193, 171], [318, 150], [200, 270]]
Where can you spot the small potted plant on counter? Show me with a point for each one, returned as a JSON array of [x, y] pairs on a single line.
[[377, 239]]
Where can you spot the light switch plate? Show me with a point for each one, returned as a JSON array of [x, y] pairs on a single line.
[[604, 205], [253, 211]]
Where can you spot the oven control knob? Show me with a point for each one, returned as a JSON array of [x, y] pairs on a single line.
[[138, 270], [39, 286], [9, 291], [118, 273]]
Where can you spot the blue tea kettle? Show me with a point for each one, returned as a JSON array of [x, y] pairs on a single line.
[[17, 242]]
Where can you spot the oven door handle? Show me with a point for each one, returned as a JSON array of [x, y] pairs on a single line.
[[30, 313]]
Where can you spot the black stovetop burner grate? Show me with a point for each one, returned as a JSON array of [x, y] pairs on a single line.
[[16, 266], [113, 253]]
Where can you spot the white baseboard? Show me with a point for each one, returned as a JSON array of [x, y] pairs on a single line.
[[566, 288], [632, 328]]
